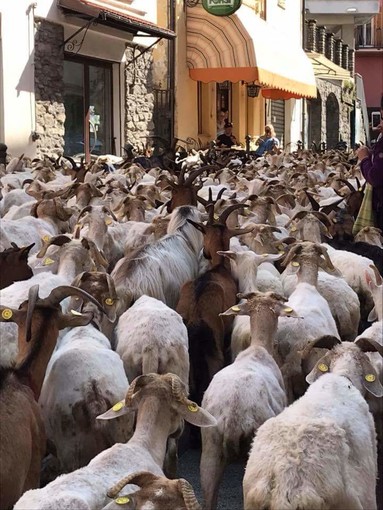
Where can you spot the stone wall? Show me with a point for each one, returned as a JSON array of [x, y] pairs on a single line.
[[139, 97], [343, 126], [49, 86]]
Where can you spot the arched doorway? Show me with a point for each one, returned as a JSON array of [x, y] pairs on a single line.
[[332, 121], [315, 121]]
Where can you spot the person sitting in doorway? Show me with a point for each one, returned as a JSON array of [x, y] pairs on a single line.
[[268, 141], [227, 139], [222, 117]]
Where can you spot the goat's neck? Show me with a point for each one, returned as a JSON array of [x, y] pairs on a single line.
[[308, 272], [152, 429], [33, 359], [260, 214], [97, 232], [263, 327], [68, 269], [56, 224], [247, 281], [311, 232]]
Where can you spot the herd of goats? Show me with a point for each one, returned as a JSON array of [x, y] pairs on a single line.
[[225, 291]]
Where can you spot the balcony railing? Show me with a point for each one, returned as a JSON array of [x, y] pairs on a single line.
[[318, 40]]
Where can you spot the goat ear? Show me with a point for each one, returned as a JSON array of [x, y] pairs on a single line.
[[12, 315], [240, 309], [284, 310], [321, 367], [370, 379], [228, 254], [197, 416], [198, 226], [119, 409], [74, 319], [373, 315]]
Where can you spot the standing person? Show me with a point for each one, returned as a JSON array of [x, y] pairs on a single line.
[[267, 141], [227, 139], [371, 165], [222, 118]]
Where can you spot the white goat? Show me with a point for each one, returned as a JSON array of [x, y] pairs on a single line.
[[321, 451], [161, 403], [151, 337], [251, 388], [83, 379], [161, 268]]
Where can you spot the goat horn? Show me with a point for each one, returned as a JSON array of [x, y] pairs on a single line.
[[64, 291], [178, 390], [369, 345], [225, 214], [323, 217], [348, 184], [378, 276], [193, 175], [299, 215], [141, 479], [33, 296], [136, 384], [314, 204], [188, 495]]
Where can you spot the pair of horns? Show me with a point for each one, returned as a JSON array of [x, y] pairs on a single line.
[[55, 297]]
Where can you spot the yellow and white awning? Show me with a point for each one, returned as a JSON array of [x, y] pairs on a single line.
[[245, 47]]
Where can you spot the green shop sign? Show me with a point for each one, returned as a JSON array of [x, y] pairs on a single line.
[[221, 7]]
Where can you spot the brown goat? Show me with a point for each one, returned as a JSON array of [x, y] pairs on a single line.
[[14, 265], [202, 300], [21, 427], [184, 192]]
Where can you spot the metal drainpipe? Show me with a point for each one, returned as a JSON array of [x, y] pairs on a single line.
[[171, 63], [303, 99]]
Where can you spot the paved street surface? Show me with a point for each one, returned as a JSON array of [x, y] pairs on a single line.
[[230, 495]]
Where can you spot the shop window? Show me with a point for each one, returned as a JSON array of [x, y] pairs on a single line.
[[88, 107]]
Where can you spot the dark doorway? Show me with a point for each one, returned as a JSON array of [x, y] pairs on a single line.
[[88, 107], [332, 121], [315, 121]]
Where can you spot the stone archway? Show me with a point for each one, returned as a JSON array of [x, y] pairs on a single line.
[[314, 107], [332, 121]]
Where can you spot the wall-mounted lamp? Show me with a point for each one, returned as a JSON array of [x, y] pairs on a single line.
[[351, 9], [253, 89]]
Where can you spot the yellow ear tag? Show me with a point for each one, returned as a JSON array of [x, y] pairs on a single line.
[[322, 367], [48, 262], [360, 189], [281, 252], [46, 238], [293, 229], [122, 500], [108, 221], [6, 314], [288, 310], [295, 264], [370, 377], [335, 220], [265, 254], [216, 217], [235, 309], [118, 406], [74, 312], [149, 207], [109, 301], [193, 407], [280, 247]]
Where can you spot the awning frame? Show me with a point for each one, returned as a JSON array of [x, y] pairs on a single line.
[[114, 20]]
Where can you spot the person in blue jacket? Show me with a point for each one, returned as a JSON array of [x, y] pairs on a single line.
[[268, 141]]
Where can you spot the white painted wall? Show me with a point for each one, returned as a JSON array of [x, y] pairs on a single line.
[[17, 121]]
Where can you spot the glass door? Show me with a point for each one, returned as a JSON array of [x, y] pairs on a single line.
[[88, 108]]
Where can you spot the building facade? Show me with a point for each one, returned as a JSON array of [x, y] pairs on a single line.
[[369, 64], [77, 77]]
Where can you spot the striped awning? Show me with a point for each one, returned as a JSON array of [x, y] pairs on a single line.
[[245, 47]]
